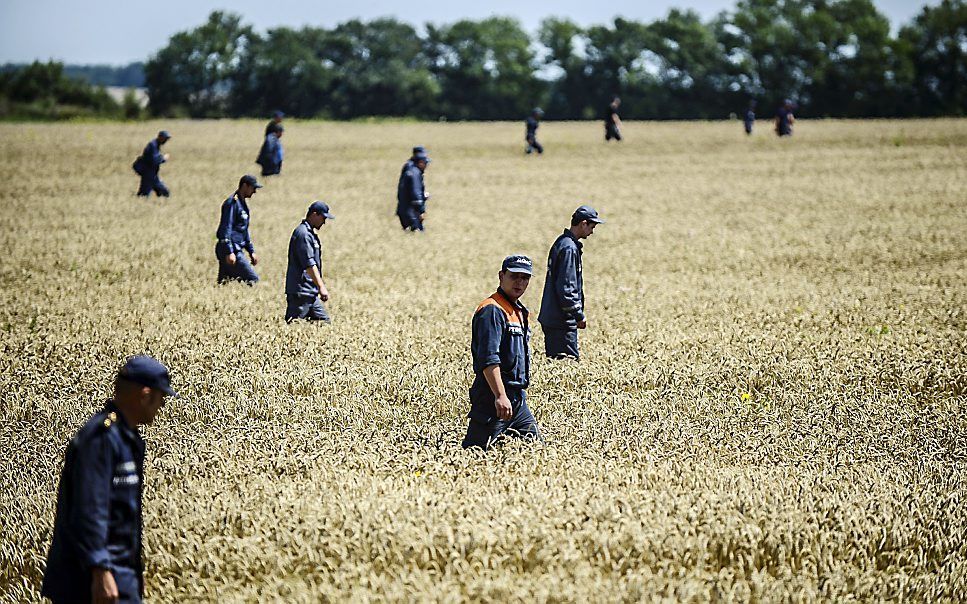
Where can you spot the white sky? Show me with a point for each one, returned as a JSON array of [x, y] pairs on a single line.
[[120, 31]]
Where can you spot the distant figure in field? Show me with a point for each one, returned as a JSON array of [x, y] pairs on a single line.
[[149, 163], [612, 122], [562, 305], [533, 123], [305, 290], [749, 120], [411, 195], [96, 553], [500, 347], [271, 154], [785, 119], [233, 236], [275, 123]]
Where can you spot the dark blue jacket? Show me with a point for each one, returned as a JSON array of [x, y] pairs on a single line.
[[271, 153], [410, 192], [532, 125], [98, 522], [784, 123], [233, 226], [749, 119], [305, 250], [501, 336], [562, 304], [152, 157]]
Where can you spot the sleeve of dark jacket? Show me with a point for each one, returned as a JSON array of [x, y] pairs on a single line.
[[488, 327], [566, 284], [92, 471]]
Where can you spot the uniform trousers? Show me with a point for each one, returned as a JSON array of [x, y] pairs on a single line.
[[410, 218], [561, 343], [484, 429], [152, 183], [309, 308], [242, 270]]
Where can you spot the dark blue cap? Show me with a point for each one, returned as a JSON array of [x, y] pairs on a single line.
[[146, 371], [421, 156], [164, 134], [417, 150], [278, 114], [586, 213], [518, 263], [248, 179], [538, 111], [320, 207]]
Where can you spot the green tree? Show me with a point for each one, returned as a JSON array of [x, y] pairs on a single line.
[[195, 72], [568, 95], [935, 48]]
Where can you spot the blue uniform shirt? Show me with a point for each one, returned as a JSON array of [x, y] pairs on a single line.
[[501, 336], [98, 522], [410, 192], [784, 126], [532, 125], [233, 226], [305, 250], [152, 157], [562, 304]]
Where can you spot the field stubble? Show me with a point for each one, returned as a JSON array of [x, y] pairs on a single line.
[[770, 405]]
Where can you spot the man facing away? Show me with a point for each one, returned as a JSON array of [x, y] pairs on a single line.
[[148, 165], [233, 236], [96, 551], [612, 122], [562, 305], [500, 347], [305, 291], [532, 124], [411, 193]]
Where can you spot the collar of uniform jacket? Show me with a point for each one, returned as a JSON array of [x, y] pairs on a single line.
[[122, 422], [518, 305], [576, 240]]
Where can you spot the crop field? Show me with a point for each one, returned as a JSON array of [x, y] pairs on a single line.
[[771, 403]]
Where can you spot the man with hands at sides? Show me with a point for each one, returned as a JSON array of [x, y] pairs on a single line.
[[305, 291], [500, 346], [233, 236]]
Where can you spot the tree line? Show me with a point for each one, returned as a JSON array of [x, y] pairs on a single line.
[[833, 58]]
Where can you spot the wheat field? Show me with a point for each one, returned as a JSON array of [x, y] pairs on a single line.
[[770, 404]]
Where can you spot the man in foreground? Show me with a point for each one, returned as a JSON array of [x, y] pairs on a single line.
[[96, 551], [411, 193], [148, 164], [562, 305], [305, 291], [500, 346], [233, 236]]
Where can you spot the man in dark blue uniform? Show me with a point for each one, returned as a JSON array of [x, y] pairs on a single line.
[[233, 236], [612, 122], [562, 305], [532, 124], [749, 119], [785, 119], [275, 123], [95, 554], [500, 346], [271, 154], [149, 163], [411, 193], [305, 290]]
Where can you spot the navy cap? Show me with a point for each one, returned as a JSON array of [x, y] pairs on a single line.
[[278, 114], [320, 207], [419, 149], [164, 134], [586, 213], [538, 111], [421, 156], [248, 179], [518, 263], [146, 371]]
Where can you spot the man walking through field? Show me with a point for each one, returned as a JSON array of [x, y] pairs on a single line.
[[411, 192], [562, 305], [500, 347], [233, 236], [305, 291], [148, 164], [96, 551]]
